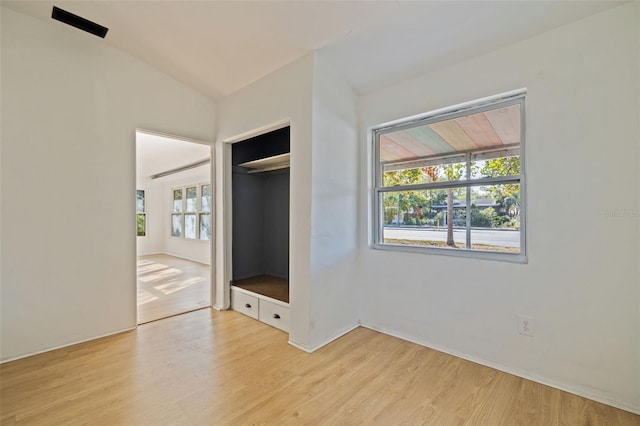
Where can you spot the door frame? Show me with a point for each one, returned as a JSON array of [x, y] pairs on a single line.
[[212, 245], [224, 211]]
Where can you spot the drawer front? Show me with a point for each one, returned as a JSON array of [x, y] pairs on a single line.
[[244, 303], [274, 315]]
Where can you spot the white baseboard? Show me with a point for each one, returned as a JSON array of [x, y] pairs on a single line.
[[66, 345], [316, 347], [567, 387]]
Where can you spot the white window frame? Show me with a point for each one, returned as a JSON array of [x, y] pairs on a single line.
[[377, 188], [184, 211]]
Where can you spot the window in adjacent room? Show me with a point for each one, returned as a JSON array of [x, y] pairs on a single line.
[[452, 181], [191, 212], [205, 212], [141, 216], [176, 215]]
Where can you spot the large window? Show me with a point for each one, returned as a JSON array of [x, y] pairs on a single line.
[[141, 215], [453, 182], [191, 212]]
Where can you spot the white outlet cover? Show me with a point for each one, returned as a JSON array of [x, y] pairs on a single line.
[[526, 325]]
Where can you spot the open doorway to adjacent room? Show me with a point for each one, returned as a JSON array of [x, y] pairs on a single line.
[[174, 216]]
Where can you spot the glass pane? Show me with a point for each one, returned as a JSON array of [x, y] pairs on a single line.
[[496, 163], [206, 198], [189, 225], [177, 200], [176, 225], [205, 226], [420, 218], [141, 226], [435, 152], [192, 199], [139, 201], [439, 170], [495, 218], [488, 129]]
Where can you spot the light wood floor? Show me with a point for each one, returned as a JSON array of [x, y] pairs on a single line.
[[222, 368], [168, 285]]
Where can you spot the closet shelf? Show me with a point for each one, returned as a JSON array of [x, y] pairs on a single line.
[[276, 162]]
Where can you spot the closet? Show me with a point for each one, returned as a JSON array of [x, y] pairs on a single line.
[[260, 233]]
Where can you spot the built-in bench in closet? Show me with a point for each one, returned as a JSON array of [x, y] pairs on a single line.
[[260, 239]]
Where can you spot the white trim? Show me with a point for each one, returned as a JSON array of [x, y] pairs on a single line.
[[464, 253], [377, 188], [309, 350], [213, 212], [259, 131], [66, 345], [260, 296], [477, 103], [175, 137], [224, 261], [300, 346], [581, 391]]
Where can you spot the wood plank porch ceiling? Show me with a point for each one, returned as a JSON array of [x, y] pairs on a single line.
[[487, 129]]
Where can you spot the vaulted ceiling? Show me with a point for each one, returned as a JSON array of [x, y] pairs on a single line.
[[219, 47]]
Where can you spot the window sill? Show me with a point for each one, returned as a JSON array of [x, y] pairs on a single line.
[[469, 254]]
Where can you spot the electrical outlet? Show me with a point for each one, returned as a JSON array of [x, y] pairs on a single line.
[[526, 325]]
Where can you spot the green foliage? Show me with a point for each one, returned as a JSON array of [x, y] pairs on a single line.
[[415, 207], [403, 177], [483, 218], [140, 225], [504, 166]]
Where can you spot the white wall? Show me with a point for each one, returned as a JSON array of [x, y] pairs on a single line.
[[153, 242], [70, 106], [334, 220], [321, 109], [582, 280], [284, 95]]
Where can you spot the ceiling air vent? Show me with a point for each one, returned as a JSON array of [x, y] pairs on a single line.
[[78, 22]]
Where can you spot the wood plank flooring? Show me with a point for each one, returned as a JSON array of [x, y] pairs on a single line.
[[169, 285], [267, 285], [222, 368]]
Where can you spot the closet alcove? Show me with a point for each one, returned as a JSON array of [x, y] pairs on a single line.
[[260, 232]]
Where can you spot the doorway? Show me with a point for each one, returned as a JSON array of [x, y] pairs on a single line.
[[174, 217], [256, 232]]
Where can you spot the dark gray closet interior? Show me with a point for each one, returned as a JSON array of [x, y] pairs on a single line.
[[260, 192]]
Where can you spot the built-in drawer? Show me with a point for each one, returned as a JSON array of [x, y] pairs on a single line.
[[275, 314], [245, 303]]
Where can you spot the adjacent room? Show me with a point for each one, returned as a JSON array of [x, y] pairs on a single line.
[[345, 212], [173, 226]]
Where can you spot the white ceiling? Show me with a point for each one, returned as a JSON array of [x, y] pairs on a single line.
[[219, 47], [157, 154]]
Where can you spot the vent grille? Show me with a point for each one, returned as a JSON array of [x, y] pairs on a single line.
[[78, 22]]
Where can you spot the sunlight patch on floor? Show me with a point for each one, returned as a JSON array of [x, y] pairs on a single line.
[[173, 286], [169, 285]]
